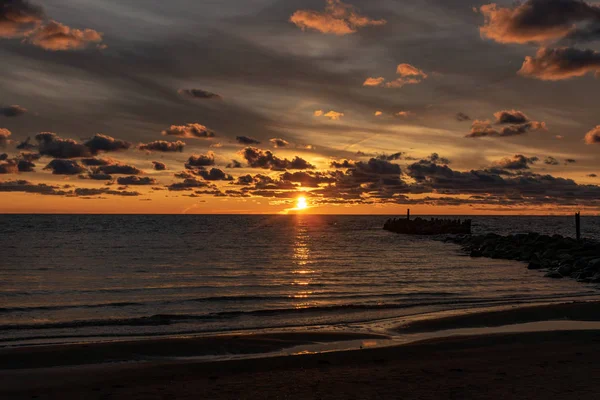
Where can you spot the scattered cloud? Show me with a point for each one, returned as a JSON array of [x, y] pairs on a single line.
[[106, 143], [510, 117], [117, 169], [136, 180], [337, 19], [65, 167], [247, 141], [192, 131], [560, 64], [159, 166], [279, 143], [593, 136], [18, 18], [55, 36], [199, 94], [374, 81], [461, 117], [517, 162], [163, 146], [12, 111], [4, 135], [257, 158], [551, 161], [202, 160]]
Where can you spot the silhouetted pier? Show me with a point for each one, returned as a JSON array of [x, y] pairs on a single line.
[[433, 226]]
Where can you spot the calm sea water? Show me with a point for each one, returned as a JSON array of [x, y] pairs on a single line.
[[74, 278]]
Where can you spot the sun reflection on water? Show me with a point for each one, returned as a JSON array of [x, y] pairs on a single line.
[[301, 263]]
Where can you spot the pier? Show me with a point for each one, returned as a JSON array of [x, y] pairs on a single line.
[[433, 226]]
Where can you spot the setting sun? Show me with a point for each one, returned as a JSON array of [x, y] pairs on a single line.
[[301, 203]]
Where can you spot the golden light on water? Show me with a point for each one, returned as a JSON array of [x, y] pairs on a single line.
[[301, 203]]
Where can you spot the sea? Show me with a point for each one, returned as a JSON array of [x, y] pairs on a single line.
[[78, 278]]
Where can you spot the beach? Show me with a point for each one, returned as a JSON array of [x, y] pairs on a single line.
[[532, 365]]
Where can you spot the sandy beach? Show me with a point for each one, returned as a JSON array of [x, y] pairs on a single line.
[[541, 365]]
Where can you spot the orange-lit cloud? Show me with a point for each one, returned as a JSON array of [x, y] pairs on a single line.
[[334, 115], [337, 19], [56, 36], [593, 136], [374, 81], [4, 134], [18, 18], [378, 113], [192, 131]]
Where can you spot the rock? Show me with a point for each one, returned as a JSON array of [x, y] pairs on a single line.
[[534, 265], [565, 269], [553, 274]]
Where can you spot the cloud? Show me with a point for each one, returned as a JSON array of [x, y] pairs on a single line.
[[4, 135], [25, 145], [28, 187], [187, 184], [199, 94], [462, 117], [159, 166], [65, 167], [9, 167], [245, 140], [214, 174], [202, 160], [3, 156], [551, 161], [484, 129], [234, 164], [55, 36], [343, 164], [332, 115], [337, 19], [12, 111], [257, 158], [510, 117], [163, 146], [192, 131], [409, 75], [378, 113], [308, 179], [25, 166], [560, 63], [404, 114], [279, 143], [117, 169], [18, 18], [50, 144], [95, 162], [374, 81], [90, 192], [570, 161], [106, 143], [593, 136], [136, 180], [539, 21], [517, 162]]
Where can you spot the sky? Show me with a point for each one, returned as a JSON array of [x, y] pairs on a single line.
[[243, 106]]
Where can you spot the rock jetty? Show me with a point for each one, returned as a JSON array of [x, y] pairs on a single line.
[[560, 256], [433, 226]]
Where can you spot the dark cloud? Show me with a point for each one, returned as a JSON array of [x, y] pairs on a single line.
[[106, 143], [539, 21], [91, 192], [12, 111], [234, 164], [192, 131], [25, 166], [163, 146], [25, 145], [570, 161], [343, 164], [257, 158], [246, 140], [592, 176], [202, 160], [3, 156], [28, 187], [377, 166], [308, 179], [511, 117], [279, 143], [214, 174], [97, 176], [18, 18], [96, 162], [199, 94], [560, 63], [187, 184], [551, 161], [52, 145], [117, 169], [462, 117], [517, 162], [65, 167], [136, 180], [159, 166], [484, 128]]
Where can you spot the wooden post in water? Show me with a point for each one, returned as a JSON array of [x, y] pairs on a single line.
[[408, 214], [578, 224]]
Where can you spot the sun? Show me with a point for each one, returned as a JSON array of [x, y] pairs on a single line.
[[301, 203]]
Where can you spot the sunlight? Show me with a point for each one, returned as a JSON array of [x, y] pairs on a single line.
[[301, 203]]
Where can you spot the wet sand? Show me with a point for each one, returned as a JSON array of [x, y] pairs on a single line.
[[546, 365]]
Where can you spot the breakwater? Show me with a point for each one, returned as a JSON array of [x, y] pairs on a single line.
[[560, 256], [433, 226]]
